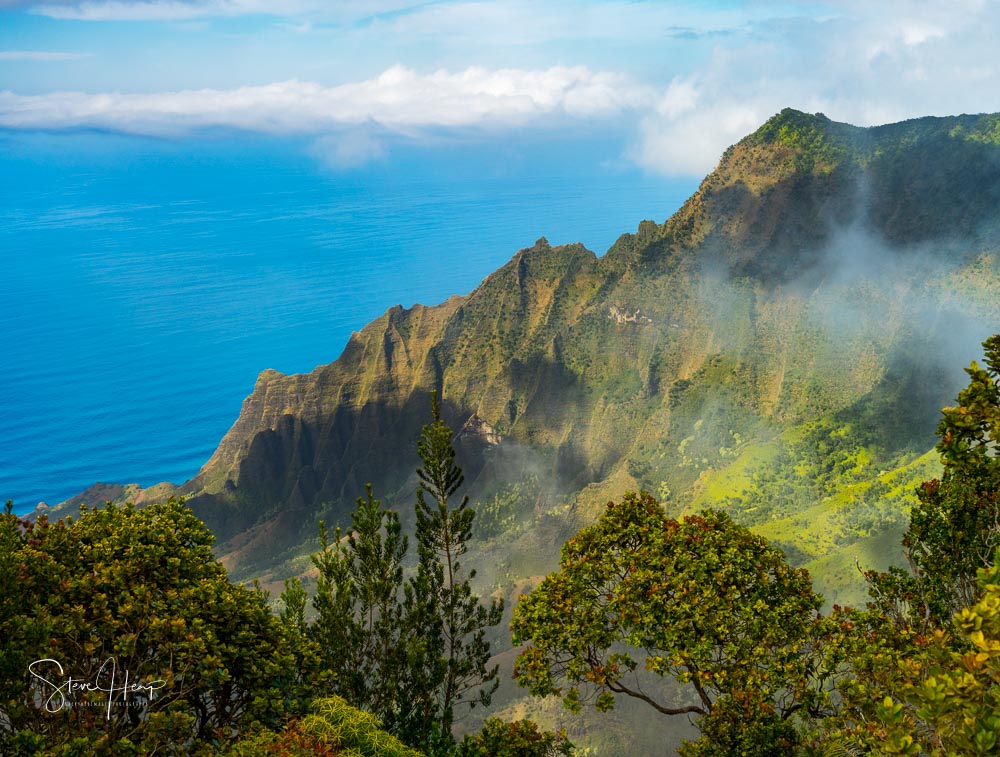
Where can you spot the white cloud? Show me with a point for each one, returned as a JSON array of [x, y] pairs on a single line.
[[523, 23], [871, 63], [517, 21], [184, 10], [40, 55], [681, 96], [165, 10], [854, 60], [691, 143], [398, 99], [918, 33]]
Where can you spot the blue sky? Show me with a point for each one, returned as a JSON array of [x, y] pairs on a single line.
[[677, 82]]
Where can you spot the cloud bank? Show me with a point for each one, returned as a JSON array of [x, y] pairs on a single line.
[[868, 64], [698, 78], [399, 99]]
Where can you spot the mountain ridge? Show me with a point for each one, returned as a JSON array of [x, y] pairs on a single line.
[[811, 269]]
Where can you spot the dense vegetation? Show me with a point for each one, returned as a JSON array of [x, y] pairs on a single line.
[[694, 616], [122, 635], [708, 603], [124, 596]]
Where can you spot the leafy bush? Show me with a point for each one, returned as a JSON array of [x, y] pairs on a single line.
[[519, 738], [334, 728], [130, 592]]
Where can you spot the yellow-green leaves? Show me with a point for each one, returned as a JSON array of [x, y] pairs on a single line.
[[949, 704], [139, 587], [701, 600]]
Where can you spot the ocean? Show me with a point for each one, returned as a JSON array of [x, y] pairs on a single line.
[[146, 282]]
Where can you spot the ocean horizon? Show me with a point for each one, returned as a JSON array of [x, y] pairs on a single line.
[[148, 284]]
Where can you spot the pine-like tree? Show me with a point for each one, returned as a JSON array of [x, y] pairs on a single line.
[[449, 652], [360, 618]]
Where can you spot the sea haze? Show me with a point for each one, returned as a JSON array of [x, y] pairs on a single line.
[[147, 283]]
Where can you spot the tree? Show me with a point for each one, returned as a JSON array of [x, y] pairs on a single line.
[[23, 630], [333, 728], [360, 624], [640, 596], [309, 674], [132, 592], [450, 653], [947, 702], [970, 430], [520, 738], [955, 529], [909, 659]]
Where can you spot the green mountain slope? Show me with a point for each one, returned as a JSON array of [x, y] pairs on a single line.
[[813, 299], [792, 329]]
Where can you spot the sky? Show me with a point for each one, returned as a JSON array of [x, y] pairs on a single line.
[[675, 82]]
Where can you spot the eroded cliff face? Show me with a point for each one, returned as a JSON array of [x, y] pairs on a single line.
[[812, 269], [305, 440]]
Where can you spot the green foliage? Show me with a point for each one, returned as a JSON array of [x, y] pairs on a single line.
[[838, 455], [746, 725], [359, 628], [23, 629], [820, 139], [710, 420], [334, 728], [702, 600], [677, 390], [961, 697], [290, 742], [951, 536], [947, 698], [918, 674], [507, 510], [870, 656], [826, 456], [335, 718], [126, 591], [955, 527], [985, 129], [450, 656], [309, 673], [826, 144], [520, 738], [413, 653], [873, 510], [969, 431]]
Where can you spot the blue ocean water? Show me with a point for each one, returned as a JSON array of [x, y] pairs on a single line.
[[146, 284]]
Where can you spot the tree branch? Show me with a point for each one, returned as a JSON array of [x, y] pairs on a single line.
[[620, 688]]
